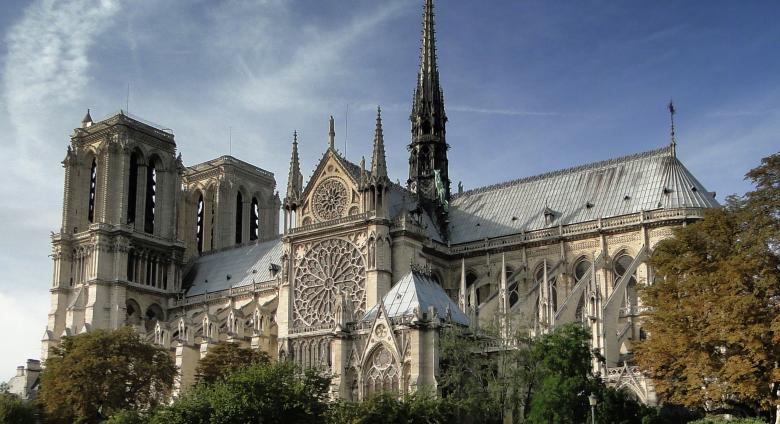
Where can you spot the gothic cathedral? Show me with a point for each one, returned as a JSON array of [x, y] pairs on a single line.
[[366, 272]]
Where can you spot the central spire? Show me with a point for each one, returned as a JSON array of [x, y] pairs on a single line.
[[428, 165], [428, 117]]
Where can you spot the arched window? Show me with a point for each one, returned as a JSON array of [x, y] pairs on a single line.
[[581, 269], [132, 188], [133, 312], [151, 197], [153, 314], [199, 223], [254, 223], [92, 190], [382, 373], [239, 217]]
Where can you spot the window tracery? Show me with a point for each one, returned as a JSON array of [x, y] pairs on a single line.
[[382, 375], [327, 269], [330, 199]]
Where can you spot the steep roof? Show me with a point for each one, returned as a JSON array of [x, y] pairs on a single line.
[[629, 184], [234, 267], [416, 290]]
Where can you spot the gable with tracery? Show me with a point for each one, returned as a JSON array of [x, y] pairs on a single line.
[[332, 192]]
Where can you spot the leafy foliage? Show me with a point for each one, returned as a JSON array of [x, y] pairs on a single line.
[[93, 375], [224, 359], [715, 326], [388, 408], [261, 392], [564, 376], [14, 411]]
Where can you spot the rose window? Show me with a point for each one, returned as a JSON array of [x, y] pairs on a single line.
[[330, 200], [329, 269]]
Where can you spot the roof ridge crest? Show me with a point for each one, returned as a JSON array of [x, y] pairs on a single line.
[[570, 170]]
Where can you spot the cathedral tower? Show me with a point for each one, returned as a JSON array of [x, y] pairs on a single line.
[[117, 260], [428, 168]]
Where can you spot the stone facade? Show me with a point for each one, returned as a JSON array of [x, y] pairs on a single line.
[[366, 272]]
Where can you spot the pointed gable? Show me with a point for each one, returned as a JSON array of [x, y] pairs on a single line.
[[332, 192]]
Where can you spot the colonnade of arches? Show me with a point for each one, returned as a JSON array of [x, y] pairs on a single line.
[[245, 211]]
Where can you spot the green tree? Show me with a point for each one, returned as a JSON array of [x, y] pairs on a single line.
[[564, 378], [91, 376], [715, 327], [224, 359], [261, 392], [388, 408], [14, 411], [468, 376]]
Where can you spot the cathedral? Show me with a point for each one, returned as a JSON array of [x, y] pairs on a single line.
[[364, 273]]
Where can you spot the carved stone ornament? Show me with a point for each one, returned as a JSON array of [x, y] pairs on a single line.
[[330, 199], [327, 269]]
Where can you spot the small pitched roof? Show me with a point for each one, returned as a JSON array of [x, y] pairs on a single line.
[[630, 184], [416, 290], [244, 264]]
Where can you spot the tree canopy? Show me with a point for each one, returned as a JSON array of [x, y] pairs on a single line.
[[714, 325], [93, 375], [224, 359], [261, 392], [14, 411]]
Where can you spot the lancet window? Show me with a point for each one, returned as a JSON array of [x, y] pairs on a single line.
[[151, 197], [92, 190], [132, 188], [239, 217], [254, 223], [199, 223]]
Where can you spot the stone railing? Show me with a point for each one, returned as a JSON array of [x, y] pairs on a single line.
[[227, 293], [333, 222], [579, 229], [312, 328]]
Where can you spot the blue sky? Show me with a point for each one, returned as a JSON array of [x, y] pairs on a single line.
[[530, 86]]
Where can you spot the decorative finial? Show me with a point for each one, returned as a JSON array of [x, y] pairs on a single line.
[[672, 111], [331, 134]]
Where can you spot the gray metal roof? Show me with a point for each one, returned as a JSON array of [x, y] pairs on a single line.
[[629, 184], [235, 267], [417, 290]]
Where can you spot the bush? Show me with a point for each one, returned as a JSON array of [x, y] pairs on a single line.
[[261, 392], [14, 411], [388, 408]]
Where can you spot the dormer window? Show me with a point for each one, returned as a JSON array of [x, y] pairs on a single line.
[[549, 216]]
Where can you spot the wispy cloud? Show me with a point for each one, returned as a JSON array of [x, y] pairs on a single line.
[[47, 61], [509, 112]]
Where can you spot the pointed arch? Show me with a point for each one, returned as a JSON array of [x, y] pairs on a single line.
[[92, 190], [239, 217], [151, 200]]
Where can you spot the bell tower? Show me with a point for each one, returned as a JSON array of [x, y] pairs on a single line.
[[117, 258], [428, 167]]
